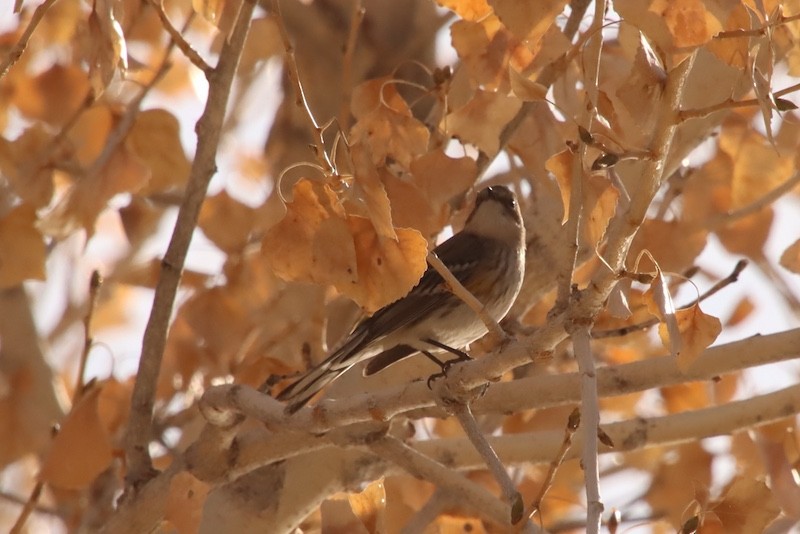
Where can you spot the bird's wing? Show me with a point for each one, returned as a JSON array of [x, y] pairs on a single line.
[[429, 293]]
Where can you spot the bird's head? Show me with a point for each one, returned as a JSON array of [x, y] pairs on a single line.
[[496, 215]]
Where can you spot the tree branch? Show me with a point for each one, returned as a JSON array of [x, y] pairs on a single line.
[[139, 428]]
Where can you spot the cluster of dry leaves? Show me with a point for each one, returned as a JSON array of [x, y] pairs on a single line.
[[634, 132]]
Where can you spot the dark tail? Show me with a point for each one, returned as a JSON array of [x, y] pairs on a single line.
[[308, 385], [300, 391]]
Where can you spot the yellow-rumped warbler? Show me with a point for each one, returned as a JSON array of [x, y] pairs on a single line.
[[487, 257]]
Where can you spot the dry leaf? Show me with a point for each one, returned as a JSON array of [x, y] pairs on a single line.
[[227, 222], [560, 165], [370, 506], [528, 20], [482, 119], [82, 449], [387, 269], [790, 259], [107, 48], [385, 124], [318, 242], [90, 133], [124, 173], [467, 9], [746, 236], [20, 164], [674, 244], [744, 308], [748, 506], [312, 242], [53, 96], [676, 479], [155, 138], [698, 330], [659, 303], [757, 167], [22, 248], [369, 184], [599, 205]]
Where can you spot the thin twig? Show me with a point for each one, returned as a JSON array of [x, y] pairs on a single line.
[[347, 64], [471, 495], [756, 32], [125, 123], [94, 290], [183, 45], [29, 507], [572, 425], [468, 298], [15, 53], [755, 206], [496, 467], [426, 515], [644, 325], [140, 424], [300, 96], [730, 103]]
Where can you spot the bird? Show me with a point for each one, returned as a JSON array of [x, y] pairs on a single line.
[[487, 256]]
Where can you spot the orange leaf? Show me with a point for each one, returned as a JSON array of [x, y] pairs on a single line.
[[387, 269], [790, 259], [312, 242], [370, 506], [22, 249], [123, 173], [659, 238], [697, 330], [227, 222], [52, 96], [318, 242], [155, 138], [467, 9], [31, 179], [748, 506], [81, 450]]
